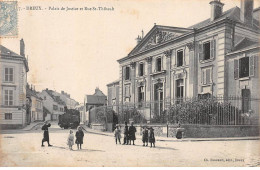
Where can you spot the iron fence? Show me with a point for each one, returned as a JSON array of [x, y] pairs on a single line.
[[231, 110]]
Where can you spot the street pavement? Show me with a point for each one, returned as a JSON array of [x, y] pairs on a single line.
[[23, 148]]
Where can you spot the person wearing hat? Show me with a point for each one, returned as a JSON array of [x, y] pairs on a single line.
[[132, 131], [117, 134], [46, 133], [126, 134], [151, 137], [145, 136]]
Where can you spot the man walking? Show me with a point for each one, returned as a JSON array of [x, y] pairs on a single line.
[[46, 133]]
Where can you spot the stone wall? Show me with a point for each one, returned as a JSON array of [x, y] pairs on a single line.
[[203, 131]]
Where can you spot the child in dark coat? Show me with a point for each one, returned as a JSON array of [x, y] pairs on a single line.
[[79, 137], [151, 137], [145, 136]]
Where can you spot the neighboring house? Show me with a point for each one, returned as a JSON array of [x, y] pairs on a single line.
[[113, 95], [243, 75], [92, 101], [52, 103], [35, 111], [70, 103], [80, 108], [14, 68], [216, 57]]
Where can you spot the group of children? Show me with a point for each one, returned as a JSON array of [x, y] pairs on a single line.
[[147, 135], [79, 138]]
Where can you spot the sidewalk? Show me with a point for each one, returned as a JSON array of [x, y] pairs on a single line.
[[171, 139], [32, 125]]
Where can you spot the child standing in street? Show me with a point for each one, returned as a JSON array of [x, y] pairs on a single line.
[[71, 140], [117, 134], [79, 137], [151, 137]]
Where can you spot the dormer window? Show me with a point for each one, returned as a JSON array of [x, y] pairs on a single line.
[[141, 69], [180, 58], [159, 64]]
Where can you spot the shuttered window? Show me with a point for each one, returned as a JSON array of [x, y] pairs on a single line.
[[8, 116], [127, 91], [8, 97], [206, 77], [141, 69], [9, 74], [244, 67], [207, 50], [180, 58], [159, 64], [127, 73], [141, 93]]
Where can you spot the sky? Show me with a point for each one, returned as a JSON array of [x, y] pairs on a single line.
[[77, 51]]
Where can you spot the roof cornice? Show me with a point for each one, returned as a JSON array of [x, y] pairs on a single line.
[[244, 50]]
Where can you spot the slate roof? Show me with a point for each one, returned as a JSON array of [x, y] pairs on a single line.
[[245, 44], [97, 98], [233, 14], [9, 53], [55, 98], [33, 93]]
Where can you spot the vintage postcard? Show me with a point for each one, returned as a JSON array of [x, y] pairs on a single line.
[[129, 83]]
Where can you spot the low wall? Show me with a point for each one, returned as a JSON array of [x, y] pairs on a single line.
[[193, 131], [11, 126], [203, 131], [99, 127]]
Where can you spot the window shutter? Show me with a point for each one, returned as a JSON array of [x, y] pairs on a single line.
[[251, 65], [207, 76], [212, 48], [129, 72], [203, 77], [236, 69], [201, 56]]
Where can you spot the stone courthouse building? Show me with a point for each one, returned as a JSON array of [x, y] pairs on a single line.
[[216, 57]]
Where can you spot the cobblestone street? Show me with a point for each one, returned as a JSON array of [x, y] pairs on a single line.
[[23, 148]]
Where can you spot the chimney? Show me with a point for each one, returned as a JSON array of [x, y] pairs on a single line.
[[216, 9], [246, 12], [138, 39], [22, 46], [62, 92]]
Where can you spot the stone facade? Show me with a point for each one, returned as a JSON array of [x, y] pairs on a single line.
[[171, 62], [13, 81]]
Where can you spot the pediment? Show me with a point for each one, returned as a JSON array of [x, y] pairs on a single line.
[[157, 36]]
